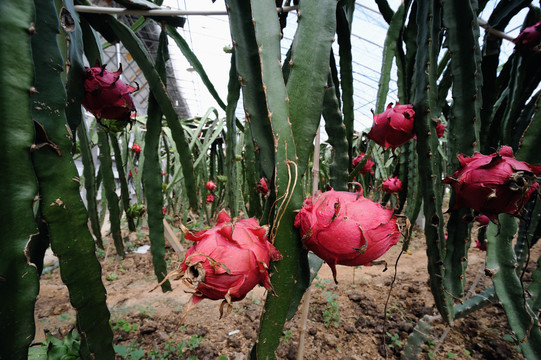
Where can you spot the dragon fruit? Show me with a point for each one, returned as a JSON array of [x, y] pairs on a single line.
[[393, 127], [528, 39], [494, 184], [227, 261], [367, 168], [346, 228], [136, 148], [210, 185], [106, 96], [392, 185], [440, 129], [210, 198], [262, 186]]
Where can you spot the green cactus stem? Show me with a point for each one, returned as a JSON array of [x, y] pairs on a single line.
[[61, 205], [233, 95]]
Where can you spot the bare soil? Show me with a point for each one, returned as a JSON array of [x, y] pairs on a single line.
[[345, 321]]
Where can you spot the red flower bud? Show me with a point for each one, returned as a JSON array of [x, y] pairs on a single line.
[[210, 198], [393, 127], [262, 187], [228, 260], [493, 184], [367, 168], [346, 228], [106, 96], [211, 185], [135, 148], [392, 185]]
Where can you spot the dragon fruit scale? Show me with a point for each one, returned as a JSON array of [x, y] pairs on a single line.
[[346, 228], [494, 184], [227, 261], [106, 96]]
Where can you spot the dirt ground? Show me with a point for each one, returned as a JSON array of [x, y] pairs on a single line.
[[345, 321]]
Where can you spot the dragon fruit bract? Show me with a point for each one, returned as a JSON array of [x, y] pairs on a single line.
[[346, 228], [106, 96], [494, 184], [228, 260]]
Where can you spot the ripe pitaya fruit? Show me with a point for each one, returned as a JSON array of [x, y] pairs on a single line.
[[393, 127], [367, 168], [346, 228], [392, 185], [210, 198], [106, 96], [494, 184], [227, 261], [262, 186], [440, 129], [210, 185], [528, 39], [136, 148]]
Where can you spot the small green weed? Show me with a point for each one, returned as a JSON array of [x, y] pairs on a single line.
[[395, 341], [287, 335], [111, 277], [131, 352], [331, 314], [124, 325]]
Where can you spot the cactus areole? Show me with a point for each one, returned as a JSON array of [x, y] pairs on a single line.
[[346, 228], [494, 184], [106, 96], [227, 261]]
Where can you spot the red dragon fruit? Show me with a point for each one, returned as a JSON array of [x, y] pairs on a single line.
[[262, 186], [440, 129], [494, 184], [136, 148], [367, 168], [393, 127], [210, 185], [227, 261], [392, 185], [106, 96], [528, 39], [346, 228], [210, 198]]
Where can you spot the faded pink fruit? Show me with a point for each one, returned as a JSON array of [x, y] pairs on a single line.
[[393, 127], [346, 228], [529, 38], [136, 148], [392, 185], [210, 198], [367, 168], [106, 96], [483, 220], [440, 129], [210, 185], [227, 261], [494, 184], [262, 186]]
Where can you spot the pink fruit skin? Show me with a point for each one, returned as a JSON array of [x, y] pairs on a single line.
[[210, 198], [210, 185], [528, 38], [106, 96], [346, 228], [367, 168], [135, 148], [235, 257], [483, 183], [392, 185], [393, 127]]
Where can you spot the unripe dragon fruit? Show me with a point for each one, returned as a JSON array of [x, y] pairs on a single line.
[[106, 96], [227, 261], [367, 168], [494, 184], [392, 185], [346, 228], [393, 127], [210, 185]]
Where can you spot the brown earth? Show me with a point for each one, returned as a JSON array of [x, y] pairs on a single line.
[[345, 321]]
